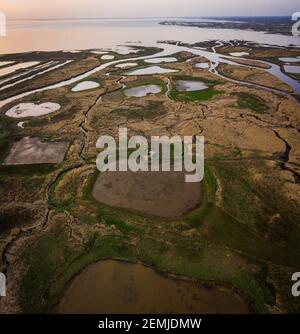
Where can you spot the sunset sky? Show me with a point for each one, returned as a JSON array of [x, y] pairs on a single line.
[[143, 8]]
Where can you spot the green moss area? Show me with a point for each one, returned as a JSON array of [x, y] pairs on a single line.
[[151, 110], [231, 243], [7, 126], [201, 95], [252, 102]]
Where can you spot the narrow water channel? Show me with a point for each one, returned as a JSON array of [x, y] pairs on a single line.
[[213, 57]]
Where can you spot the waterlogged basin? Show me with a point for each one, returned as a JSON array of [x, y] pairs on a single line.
[[22, 110], [190, 85], [126, 65], [142, 90], [202, 65], [290, 59], [96, 52], [163, 194], [29, 151], [118, 287], [292, 69], [239, 54], [108, 57], [85, 85], [151, 70], [161, 60]]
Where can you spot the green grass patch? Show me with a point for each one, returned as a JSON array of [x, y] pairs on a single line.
[[121, 226], [147, 81], [202, 95], [152, 110], [252, 102], [209, 188], [199, 95], [54, 202]]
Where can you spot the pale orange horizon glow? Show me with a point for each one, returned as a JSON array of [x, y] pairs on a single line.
[[142, 8]]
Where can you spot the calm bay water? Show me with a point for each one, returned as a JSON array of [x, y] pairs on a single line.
[[54, 35]]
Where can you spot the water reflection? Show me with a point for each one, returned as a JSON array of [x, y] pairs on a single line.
[[49, 35]]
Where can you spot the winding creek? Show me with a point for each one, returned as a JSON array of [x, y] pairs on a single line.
[[214, 58], [134, 288]]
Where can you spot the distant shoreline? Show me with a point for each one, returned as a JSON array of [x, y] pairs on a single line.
[[281, 25], [146, 18]]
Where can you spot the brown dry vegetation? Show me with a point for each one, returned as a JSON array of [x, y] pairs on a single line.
[[245, 234]]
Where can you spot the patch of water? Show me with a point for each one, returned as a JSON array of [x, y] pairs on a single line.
[[151, 70], [290, 59], [292, 69], [16, 67], [85, 85], [22, 110], [117, 287], [202, 65], [190, 85], [161, 60], [48, 69], [126, 65], [142, 90], [108, 57], [239, 54], [213, 57], [96, 52]]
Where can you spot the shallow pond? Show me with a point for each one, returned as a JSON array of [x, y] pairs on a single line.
[[119, 287], [163, 194], [239, 54], [142, 90], [108, 57], [96, 52], [22, 110], [85, 85], [190, 85], [126, 65], [292, 69], [290, 59], [202, 65], [30, 151], [161, 60], [151, 70]]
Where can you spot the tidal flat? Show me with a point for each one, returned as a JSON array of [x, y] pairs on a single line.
[[234, 238]]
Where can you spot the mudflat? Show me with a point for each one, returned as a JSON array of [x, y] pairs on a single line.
[[163, 194], [29, 151], [118, 287]]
